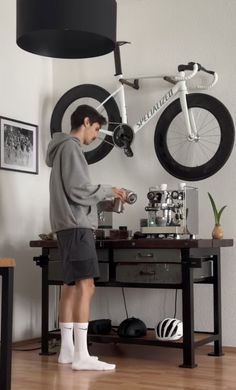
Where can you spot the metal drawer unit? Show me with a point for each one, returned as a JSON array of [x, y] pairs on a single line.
[[164, 273], [147, 255], [154, 266]]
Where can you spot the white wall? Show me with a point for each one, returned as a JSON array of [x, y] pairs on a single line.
[[25, 88], [203, 31], [163, 35]]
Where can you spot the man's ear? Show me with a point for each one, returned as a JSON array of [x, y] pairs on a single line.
[[86, 121]]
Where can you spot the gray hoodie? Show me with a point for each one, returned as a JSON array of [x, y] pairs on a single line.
[[73, 199]]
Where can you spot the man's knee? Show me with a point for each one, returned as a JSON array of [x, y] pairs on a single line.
[[67, 292], [86, 286]]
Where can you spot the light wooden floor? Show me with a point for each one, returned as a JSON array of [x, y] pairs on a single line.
[[138, 368]]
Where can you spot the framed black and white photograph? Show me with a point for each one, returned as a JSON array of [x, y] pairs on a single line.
[[18, 146]]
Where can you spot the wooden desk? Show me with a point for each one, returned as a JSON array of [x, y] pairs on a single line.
[[7, 272], [192, 253]]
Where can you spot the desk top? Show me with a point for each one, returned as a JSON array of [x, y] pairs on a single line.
[[7, 262], [146, 243]]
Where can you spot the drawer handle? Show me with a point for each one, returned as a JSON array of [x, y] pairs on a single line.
[[149, 273], [143, 255]]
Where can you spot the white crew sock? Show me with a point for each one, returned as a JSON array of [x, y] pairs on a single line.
[[81, 348], [67, 344], [82, 360]]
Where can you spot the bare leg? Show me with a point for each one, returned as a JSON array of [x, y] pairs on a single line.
[[84, 292], [67, 303]]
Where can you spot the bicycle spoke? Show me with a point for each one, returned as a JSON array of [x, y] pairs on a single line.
[[181, 129], [206, 146], [104, 140], [208, 131], [211, 135], [209, 142], [203, 121], [204, 152], [179, 148]]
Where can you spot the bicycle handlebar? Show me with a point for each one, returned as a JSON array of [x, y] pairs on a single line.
[[196, 67], [190, 66], [181, 68]]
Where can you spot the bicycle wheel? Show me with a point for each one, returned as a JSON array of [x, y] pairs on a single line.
[[202, 157], [92, 95]]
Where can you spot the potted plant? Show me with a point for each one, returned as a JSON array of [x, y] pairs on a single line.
[[217, 231]]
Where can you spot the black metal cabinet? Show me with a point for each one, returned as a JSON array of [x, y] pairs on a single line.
[[149, 263]]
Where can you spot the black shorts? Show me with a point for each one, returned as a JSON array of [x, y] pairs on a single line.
[[78, 255]]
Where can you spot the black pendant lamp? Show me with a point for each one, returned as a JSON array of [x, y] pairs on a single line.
[[66, 28]]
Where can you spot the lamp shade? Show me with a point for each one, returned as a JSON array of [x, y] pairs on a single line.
[[66, 28]]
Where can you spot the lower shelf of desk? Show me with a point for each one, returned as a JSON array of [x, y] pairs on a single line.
[[200, 338], [149, 339]]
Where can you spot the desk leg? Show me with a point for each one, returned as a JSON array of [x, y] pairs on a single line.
[[44, 317], [188, 312], [217, 306], [6, 328], [45, 307]]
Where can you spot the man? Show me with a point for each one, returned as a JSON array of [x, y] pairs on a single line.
[[73, 216]]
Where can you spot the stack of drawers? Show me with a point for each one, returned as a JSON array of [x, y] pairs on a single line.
[[154, 266], [136, 266]]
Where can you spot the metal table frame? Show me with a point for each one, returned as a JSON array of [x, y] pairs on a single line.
[[7, 274], [192, 251]]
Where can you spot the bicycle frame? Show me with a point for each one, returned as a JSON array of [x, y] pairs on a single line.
[[179, 88]]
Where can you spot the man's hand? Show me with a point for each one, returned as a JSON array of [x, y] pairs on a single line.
[[119, 193]]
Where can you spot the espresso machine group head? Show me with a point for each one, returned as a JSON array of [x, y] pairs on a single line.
[[172, 211]]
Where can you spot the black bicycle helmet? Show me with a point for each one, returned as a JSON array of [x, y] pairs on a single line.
[[132, 327]]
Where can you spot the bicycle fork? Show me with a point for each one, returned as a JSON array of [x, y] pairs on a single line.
[[188, 114]]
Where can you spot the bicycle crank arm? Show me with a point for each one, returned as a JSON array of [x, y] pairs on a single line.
[[128, 151], [122, 137]]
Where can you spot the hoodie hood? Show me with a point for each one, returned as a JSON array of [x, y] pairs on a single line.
[[58, 139]]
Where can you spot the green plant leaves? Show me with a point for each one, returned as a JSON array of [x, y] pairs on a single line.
[[217, 214], [220, 212]]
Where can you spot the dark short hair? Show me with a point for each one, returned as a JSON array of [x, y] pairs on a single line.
[[84, 111]]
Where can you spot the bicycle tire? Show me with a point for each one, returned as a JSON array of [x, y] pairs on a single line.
[[99, 94], [223, 119]]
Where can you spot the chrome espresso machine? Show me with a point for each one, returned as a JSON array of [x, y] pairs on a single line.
[[171, 212]]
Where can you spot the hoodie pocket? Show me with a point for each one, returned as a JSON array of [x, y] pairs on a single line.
[[80, 212]]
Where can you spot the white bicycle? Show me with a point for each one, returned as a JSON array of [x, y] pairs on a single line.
[[194, 135]]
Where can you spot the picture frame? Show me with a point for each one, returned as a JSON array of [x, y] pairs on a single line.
[[18, 146]]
